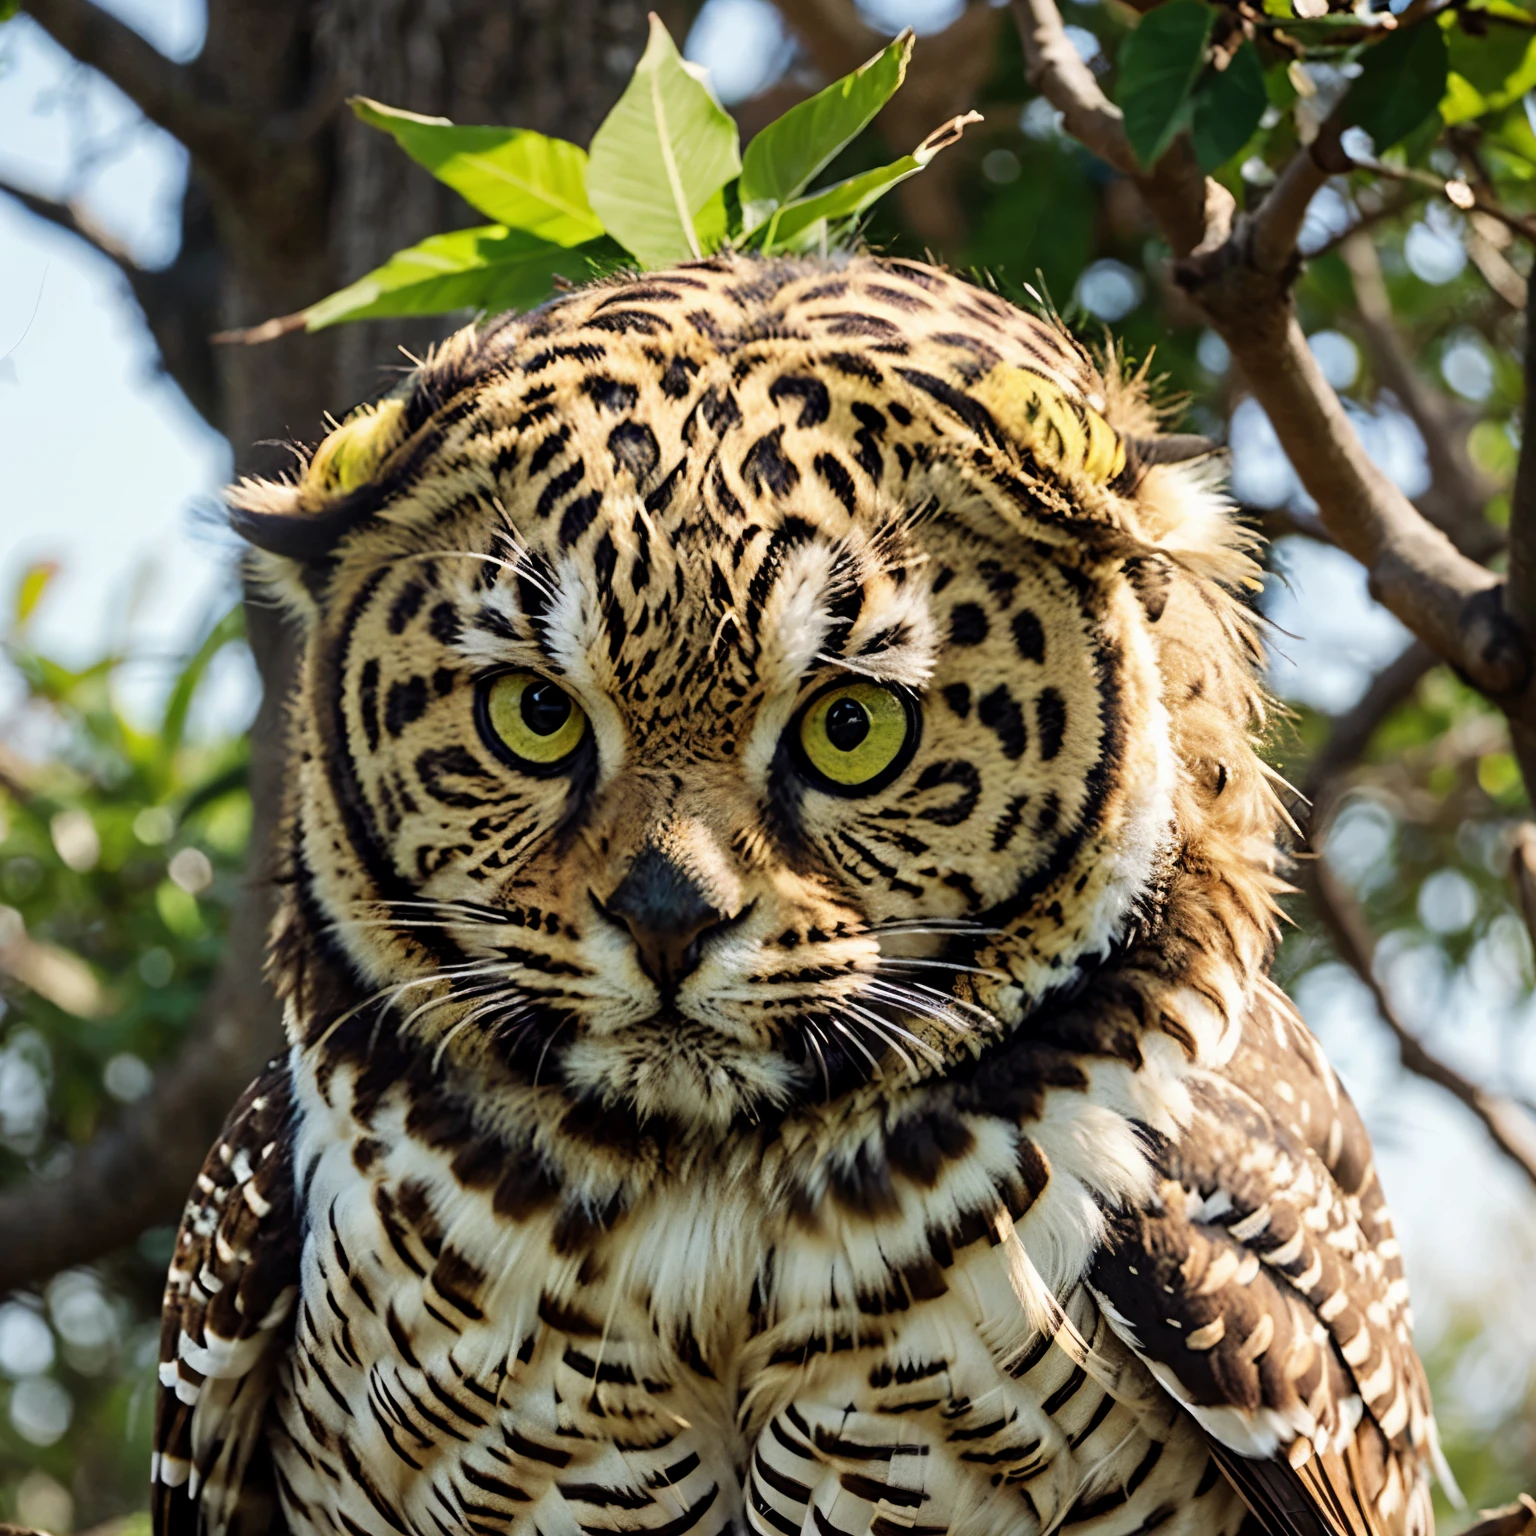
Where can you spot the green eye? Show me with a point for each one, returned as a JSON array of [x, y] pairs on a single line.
[[532, 720], [856, 737]]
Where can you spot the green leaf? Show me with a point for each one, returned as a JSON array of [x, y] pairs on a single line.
[[1402, 80], [1159, 64], [9, 9], [783, 160], [804, 222], [661, 156], [173, 722], [517, 177], [34, 583], [489, 268], [1487, 72], [1462, 100], [1228, 106]]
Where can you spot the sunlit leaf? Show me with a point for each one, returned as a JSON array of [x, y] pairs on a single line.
[[1228, 105], [30, 590], [1487, 72], [1159, 64], [173, 722], [783, 160], [661, 156], [803, 222], [490, 268], [517, 177], [1402, 80], [1462, 100]]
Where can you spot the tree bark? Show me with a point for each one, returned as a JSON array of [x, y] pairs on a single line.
[[289, 197]]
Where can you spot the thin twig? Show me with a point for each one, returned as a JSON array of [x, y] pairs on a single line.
[[1512, 1130], [74, 218]]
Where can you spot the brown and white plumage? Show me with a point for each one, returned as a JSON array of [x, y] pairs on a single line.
[[713, 1125]]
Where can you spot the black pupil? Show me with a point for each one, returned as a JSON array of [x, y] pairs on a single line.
[[544, 708], [847, 724]]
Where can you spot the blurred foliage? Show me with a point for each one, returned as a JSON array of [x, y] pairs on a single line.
[[97, 809], [122, 844]]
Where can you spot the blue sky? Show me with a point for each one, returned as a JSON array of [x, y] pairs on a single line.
[[106, 465]]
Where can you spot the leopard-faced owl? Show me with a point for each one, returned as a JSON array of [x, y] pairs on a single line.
[[776, 893]]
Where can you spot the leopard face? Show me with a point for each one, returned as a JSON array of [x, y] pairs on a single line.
[[734, 686]]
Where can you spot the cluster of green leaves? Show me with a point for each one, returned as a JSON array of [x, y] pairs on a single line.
[[1218, 71], [664, 179], [122, 852]]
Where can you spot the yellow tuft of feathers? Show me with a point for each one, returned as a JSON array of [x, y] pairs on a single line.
[[351, 455], [1060, 431]]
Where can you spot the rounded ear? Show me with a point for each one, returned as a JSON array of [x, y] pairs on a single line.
[[304, 521]]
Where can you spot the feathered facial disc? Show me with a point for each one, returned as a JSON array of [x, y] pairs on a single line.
[[729, 687]]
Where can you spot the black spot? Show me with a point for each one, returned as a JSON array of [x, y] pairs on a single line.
[[1008, 822], [677, 379], [443, 680], [999, 712], [1028, 636], [1051, 720], [957, 772], [609, 394], [444, 623], [1001, 583], [634, 447], [1050, 814], [578, 517], [767, 465], [406, 606], [556, 487], [837, 480], [967, 624], [720, 410], [855, 367], [815, 403], [407, 701], [368, 701], [544, 454], [871, 430], [972, 412], [624, 322], [958, 697]]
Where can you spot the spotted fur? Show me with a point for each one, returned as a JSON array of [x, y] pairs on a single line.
[[969, 1175]]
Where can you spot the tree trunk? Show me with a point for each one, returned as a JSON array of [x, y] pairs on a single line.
[[289, 198]]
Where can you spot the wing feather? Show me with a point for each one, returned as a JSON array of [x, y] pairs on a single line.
[[1263, 1288], [226, 1321]]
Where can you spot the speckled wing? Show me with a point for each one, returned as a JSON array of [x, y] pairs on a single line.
[[229, 1301], [1265, 1290]]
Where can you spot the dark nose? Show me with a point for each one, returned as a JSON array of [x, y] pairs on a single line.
[[667, 915]]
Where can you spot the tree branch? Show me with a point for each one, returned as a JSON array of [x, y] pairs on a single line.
[[1238, 272], [74, 218], [1462, 489], [1512, 1130], [179, 302], [1520, 596], [167, 93]]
